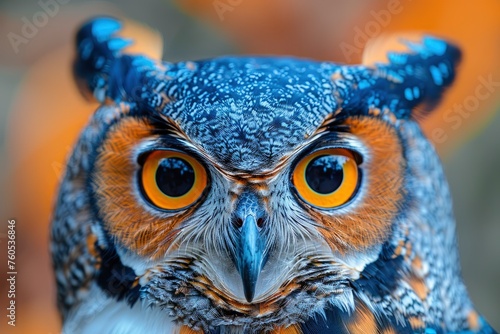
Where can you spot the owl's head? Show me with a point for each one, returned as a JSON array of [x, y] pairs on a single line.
[[236, 191]]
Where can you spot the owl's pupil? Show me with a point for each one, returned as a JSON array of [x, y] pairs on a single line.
[[174, 177], [325, 173]]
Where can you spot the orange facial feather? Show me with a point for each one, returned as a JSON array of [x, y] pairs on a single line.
[[416, 323], [369, 222], [364, 321], [389, 330], [288, 330], [187, 330], [473, 320], [127, 220]]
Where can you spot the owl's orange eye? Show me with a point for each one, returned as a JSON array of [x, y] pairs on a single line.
[[327, 178], [173, 180]]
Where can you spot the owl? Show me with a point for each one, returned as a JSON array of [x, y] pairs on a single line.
[[257, 195]]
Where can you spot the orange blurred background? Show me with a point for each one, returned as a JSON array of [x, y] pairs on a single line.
[[41, 111]]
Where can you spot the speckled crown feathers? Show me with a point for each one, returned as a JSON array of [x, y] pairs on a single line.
[[409, 81]]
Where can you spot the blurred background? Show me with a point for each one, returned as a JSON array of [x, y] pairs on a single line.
[[41, 111]]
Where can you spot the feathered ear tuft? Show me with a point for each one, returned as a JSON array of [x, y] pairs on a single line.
[[412, 81], [97, 50], [429, 70], [101, 68]]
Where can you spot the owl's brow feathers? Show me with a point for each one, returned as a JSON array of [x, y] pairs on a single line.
[[235, 175]]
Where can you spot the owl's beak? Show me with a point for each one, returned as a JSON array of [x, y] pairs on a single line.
[[249, 257]]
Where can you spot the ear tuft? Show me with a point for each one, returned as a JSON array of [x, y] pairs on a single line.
[[102, 69], [414, 75], [97, 48]]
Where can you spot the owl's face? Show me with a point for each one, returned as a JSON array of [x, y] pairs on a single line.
[[256, 184], [257, 194]]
